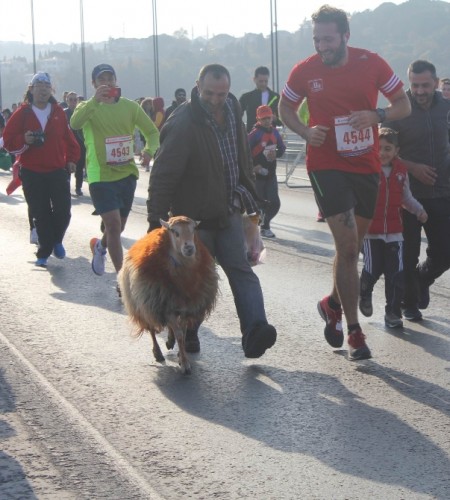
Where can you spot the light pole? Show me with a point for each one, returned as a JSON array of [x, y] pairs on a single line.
[[32, 34], [274, 44], [83, 52], [155, 48]]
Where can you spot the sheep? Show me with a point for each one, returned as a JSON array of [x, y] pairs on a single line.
[[169, 279]]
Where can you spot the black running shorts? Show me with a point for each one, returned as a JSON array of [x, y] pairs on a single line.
[[337, 192]]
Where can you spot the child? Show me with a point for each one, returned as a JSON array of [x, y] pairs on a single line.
[[266, 145], [444, 87], [383, 244]]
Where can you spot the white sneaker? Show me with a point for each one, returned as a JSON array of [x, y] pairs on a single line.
[[98, 257], [34, 239], [267, 233]]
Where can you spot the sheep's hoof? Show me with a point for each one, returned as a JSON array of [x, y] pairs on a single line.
[[170, 344], [186, 370], [159, 357]]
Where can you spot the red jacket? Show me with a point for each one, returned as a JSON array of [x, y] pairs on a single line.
[[387, 218], [60, 145]]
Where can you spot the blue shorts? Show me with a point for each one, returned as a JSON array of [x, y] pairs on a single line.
[[116, 195]]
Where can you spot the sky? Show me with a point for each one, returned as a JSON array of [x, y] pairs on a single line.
[[59, 20]]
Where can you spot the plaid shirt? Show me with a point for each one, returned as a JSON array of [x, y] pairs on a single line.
[[227, 139]]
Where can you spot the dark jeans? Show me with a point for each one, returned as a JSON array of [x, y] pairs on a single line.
[[267, 189], [48, 198], [227, 245], [437, 230], [383, 258]]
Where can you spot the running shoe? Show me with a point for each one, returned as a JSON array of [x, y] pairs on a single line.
[[357, 347], [267, 233], [333, 319], [98, 256], [59, 251], [412, 313], [41, 262], [391, 320], [365, 305]]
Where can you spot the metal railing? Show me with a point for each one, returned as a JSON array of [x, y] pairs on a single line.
[[291, 167]]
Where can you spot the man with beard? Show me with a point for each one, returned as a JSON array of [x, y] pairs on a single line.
[[423, 141], [341, 85], [203, 170]]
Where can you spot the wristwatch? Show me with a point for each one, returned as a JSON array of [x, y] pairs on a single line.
[[381, 115]]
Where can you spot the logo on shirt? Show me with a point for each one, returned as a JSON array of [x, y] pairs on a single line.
[[316, 85]]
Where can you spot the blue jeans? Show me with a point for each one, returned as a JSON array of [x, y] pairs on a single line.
[[227, 246]]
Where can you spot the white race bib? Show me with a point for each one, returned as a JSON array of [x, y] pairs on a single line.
[[349, 141], [119, 150]]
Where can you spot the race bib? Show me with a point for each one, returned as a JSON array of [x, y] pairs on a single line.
[[119, 150], [349, 141]]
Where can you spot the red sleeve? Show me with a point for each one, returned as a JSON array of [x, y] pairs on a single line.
[[14, 133], [388, 82], [293, 90]]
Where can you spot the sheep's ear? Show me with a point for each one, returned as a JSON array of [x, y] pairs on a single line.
[[197, 222], [164, 224]]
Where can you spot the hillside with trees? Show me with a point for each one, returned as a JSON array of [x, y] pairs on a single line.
[[416, 29]]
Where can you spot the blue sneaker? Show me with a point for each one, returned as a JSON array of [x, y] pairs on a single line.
[[59, 251], [41, 262]]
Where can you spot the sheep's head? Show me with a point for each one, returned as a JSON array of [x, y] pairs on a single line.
[[182, 235]]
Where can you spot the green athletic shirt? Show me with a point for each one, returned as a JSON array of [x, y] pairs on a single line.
[[105, 123]]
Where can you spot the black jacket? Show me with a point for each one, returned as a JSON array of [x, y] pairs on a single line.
[[187, 176], [250, 101], [424, 138]]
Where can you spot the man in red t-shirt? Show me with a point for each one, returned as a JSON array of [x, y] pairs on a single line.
[[341, 85]]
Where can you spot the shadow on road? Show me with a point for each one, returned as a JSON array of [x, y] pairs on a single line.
[[427, 337], [314, 414], [13, 480]]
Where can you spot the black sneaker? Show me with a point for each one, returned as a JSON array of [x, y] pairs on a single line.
[[259, 338], [357, 347], [391, 320], [412, 313], [365, 306], [191, 342]]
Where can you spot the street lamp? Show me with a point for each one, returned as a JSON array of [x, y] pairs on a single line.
[[83, 52], [32, 33], [274, 44], [155, 47]]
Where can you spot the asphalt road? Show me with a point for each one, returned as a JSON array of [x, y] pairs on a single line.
[[85, 411]]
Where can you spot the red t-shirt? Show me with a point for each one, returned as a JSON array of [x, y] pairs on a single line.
[[332, 93]]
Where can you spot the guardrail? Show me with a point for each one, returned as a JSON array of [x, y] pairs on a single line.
[[291, 167]]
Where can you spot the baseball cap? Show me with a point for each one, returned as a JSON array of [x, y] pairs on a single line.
[[40, 77], [102, 68], [264, 112]]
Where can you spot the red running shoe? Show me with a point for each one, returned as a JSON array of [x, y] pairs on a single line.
[[333, 318], [357, 347]]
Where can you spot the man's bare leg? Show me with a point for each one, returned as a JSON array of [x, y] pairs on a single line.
[[348, 232], [114, 225]]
